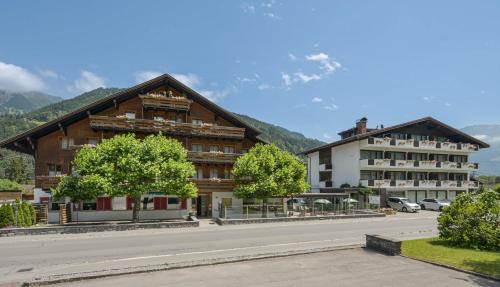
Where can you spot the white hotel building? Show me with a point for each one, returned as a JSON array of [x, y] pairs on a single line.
[[424, 158]]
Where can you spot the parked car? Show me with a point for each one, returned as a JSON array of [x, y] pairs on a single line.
[[434, 204], [403, 204]]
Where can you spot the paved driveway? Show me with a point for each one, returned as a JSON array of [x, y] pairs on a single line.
[[356, 267]]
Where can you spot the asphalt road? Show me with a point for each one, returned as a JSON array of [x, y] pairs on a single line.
[[28, 257], [346, 268]]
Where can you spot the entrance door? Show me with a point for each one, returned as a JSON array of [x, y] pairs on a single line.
[[202, 205]]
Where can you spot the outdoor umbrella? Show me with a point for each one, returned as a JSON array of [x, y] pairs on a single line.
[[350, 200], [322, 201]]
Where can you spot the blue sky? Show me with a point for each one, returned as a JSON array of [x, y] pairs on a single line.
[[309, 66]]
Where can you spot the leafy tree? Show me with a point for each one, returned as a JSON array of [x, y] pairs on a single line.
[[266, 171], [472, 220], [17, 170], [6, 184], [127, 166], [365, 191], [79, 189]]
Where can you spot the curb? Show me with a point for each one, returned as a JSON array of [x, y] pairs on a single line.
[[164, 267], [455, 268], [222, 222]]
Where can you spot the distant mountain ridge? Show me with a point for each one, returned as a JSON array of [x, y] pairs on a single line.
[[24, 101], [489, 159]]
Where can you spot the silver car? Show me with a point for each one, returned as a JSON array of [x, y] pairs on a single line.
[[402, 204], [434, 204]]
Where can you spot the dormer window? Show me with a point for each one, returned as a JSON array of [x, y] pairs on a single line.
[[67, 143]]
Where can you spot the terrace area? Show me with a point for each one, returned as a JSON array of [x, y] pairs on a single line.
[[412, 144], [157, 101]]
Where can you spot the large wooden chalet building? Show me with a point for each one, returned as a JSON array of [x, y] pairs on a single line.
[[213, 136]]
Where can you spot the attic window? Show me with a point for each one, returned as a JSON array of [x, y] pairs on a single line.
[[130, 115]]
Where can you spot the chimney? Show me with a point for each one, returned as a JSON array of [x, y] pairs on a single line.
[[361, 126]]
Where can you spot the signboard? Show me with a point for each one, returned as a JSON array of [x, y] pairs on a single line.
[[374, 199]]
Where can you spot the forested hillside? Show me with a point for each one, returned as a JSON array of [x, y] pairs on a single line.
[[13, 102]]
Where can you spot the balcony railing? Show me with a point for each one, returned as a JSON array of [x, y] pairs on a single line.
[[166, 103], [423, 145], [168, 127], [419, 184], [195, 156], [325, 167], [214, 183], [47, 182], [418, 165]]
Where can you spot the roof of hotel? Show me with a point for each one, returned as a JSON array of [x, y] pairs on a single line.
[[395, 127], [124, 95]]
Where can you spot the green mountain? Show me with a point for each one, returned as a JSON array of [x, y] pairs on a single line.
[[14, 123], [24, 101], [293, 142]]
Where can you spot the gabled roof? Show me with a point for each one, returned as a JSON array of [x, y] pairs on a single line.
[[377, 132], [117, 98]]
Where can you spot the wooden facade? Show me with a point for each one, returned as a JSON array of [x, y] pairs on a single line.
[[213, 136]]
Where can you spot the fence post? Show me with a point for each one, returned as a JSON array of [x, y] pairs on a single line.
[[247, 211]]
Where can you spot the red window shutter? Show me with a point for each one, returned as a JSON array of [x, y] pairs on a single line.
[[44, 199], [107, 202], [160, 203], [130, 203], [184, 204], [103, 203], [99, 204]]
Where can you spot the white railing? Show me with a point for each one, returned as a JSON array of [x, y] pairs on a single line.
[[422, 145], [417, 165]]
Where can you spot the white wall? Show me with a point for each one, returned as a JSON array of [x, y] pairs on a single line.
[[313, 171], [345, 164], [120, 215], [234, 212], [37, 193]]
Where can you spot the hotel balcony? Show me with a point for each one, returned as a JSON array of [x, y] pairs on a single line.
[[325, 167], [215, 157], [167, 127], [47, 182], [161, 102], [325, 184], [214, 184], [396, 144], [389, 164], [418, 184]]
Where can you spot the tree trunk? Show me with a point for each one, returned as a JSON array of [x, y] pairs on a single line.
[[264, 208], [136, 209]]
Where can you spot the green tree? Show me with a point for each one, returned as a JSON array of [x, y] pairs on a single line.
[[16, 170], [7, 217], [365, 191], [79, 189], [127, 166], [267, 171], [472, 220]]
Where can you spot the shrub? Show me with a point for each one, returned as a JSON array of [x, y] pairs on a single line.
[[33, 215], [345, 185], [472, 220], [25, 209], [6, 216]]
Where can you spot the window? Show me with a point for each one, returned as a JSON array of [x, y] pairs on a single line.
[[438, 157], [196, 122], [369, 154], [197, 147], [54, 169], [417, 156], [228, 149], [130, 115], [214, 173], [227, 202], [173, 200], [368, 175], [92, 141], [228, 174], [89, 205], [67, 143], [395, 155], [213, 148], [199, 174], [244, 150]]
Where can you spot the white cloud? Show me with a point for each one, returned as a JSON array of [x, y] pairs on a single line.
[[48, 73], [331, 107], [247, 8], [217, 95], [287, 80], [317, 100], [264, 87], [18, 79], [327, 136], [447, 104], [269, 4], [292, 57], [481, 137], [327, 64], [88, 81], [487, 138], [190, 80], [272, 16], [307, 78], [426, 99], [143, 76]]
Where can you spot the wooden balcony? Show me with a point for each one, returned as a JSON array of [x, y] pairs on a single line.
[[167, 127], [161, 102], [215, 157], [214, 184], [47, 182]]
